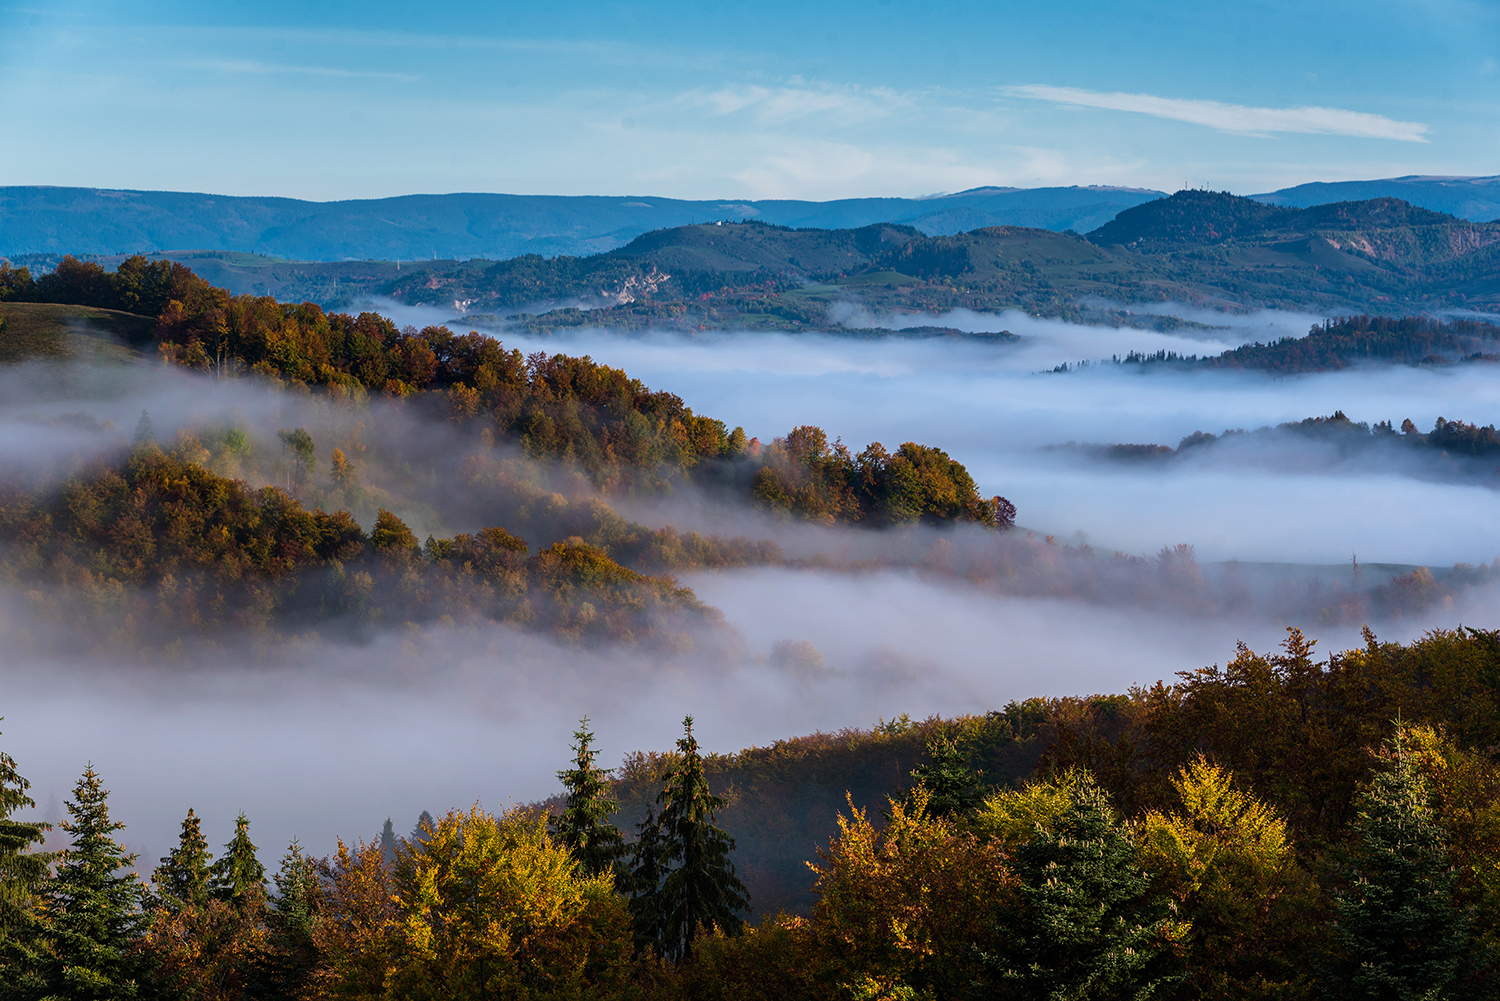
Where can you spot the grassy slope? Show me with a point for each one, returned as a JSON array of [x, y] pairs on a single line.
[[48, 330]]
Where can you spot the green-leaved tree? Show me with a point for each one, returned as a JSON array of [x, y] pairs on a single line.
[[22, 873], [1084, 930], [952, 787], [584, 825], [92, 909], [695, 888], [1397, 931], [183, 876], [238, 877]]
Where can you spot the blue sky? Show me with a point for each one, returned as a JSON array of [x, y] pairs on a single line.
[[331, 100]]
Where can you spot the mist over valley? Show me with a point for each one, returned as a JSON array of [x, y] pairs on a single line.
[[1008, 513]]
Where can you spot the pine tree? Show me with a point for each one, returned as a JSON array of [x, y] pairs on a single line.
[[286, 960], [584, 826], [238, 876], [953, 788], [1397, 930], [648, 864], [22, 874], [697, 887], [145, 431], [297, 889], [388, 842], [183, 876], [92, 916], [1084, 929], [425, 826]]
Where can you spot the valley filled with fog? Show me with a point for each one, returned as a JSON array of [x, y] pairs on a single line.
[[855, 625]]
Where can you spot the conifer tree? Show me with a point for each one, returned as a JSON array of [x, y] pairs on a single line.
[[1397, 931], [92, 915], [238, 876], [22, 873], [183, 876], [697, 887], [388, 842], [424, 828], [1084, 929], [648, 863], [284, 963], [953, 788], [584, 826], [296, 889]]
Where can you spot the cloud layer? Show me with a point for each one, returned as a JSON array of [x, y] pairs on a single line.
[[1235, 117]]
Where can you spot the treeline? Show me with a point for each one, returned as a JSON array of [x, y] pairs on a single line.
[[137, 286], [1350, 341], [159, 550], [1282, 826], [624, 435], [1449, 437]]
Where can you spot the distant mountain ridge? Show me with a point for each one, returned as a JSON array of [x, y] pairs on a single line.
[[1476, 199], [47, 220]]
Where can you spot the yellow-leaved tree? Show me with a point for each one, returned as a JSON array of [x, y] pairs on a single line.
[[900, 908], [1248, 910], [491, 907]]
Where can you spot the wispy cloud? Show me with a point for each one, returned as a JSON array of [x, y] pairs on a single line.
[[1235, 117], [269, 69], [788, 103]]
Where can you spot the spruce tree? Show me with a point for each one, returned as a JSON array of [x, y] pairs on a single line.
[[1084, 929], [92, 911], [145, 431], [238, 876], [952, 786], [425, 826], [296, 889], [283, 965], [1397, 932], [696, 886], [183, 876], [388, 842], [22, 874], [584, 826], [648, 863]]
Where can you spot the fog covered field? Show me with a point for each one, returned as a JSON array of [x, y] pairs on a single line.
[[326, 738]]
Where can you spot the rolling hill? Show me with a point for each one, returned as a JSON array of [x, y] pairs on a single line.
[[1381, 256]]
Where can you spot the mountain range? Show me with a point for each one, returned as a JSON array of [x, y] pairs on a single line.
[[41, 220], [52, 221]]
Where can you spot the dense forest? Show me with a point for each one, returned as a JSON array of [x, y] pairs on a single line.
[[624, 435], [159, 543], [1349, 342], [1453, 440], [1283, 825]]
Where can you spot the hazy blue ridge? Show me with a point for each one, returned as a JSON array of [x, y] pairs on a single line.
[[37, 220], [1476, 199]]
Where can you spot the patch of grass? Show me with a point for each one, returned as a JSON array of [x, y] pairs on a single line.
[[50, 330]]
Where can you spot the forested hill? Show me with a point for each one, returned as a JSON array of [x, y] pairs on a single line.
[[1348, 342], [1287, 825], [1381, 256], [1378, 256]]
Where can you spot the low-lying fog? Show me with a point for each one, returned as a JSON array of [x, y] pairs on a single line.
[[334, 739], [994, 408], [331, 739]]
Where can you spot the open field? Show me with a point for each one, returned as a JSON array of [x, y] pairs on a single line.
[[51, 330]]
